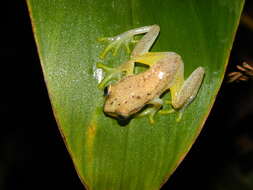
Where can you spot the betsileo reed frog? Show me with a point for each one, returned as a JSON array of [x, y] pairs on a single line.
[[132, 92]]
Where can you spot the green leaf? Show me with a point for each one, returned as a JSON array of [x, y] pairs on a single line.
[[138, 155]]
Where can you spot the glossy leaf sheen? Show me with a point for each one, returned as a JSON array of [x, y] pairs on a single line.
[[139, 155]]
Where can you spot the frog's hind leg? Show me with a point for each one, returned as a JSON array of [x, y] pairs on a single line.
[[188, 91], [183, 94], [155, 106]]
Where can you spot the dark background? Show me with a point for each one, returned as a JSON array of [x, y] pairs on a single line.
[[33, 155]]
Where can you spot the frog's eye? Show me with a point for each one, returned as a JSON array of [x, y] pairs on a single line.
[[107, 90]]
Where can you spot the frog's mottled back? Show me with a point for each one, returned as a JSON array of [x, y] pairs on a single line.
[[133, 92]]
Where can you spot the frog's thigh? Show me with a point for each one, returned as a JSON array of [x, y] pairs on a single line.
[[149, 58], [188, 90]]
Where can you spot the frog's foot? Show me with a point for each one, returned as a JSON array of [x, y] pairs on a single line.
[[169, 111], [111, 74], [172, 110], [124, 39], [115, 73], [155, 106]]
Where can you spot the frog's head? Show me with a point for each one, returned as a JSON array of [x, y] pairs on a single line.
[[115, 104]]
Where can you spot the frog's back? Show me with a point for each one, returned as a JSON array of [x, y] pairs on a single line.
[[133, 92]]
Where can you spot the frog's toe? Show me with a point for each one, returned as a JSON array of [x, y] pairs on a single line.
[[104, 39], [110, 47], [115, 48], [116, 42], [105, 81], [105, 67]]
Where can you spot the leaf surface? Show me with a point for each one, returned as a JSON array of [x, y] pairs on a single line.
[[138, 155]]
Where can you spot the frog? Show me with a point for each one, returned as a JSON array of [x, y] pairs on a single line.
[[139, 94]]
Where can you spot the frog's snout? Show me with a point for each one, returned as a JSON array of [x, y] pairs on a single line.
[[117, 115]]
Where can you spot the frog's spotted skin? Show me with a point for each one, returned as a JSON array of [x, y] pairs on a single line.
[[131, 93]]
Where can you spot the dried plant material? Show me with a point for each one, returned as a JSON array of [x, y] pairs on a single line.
[[244, 73]]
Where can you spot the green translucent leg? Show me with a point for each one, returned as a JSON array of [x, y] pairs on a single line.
[[151, 111], [179, 117], [169, 111], [114, 43], [111, 74], [184, 92], [115, 73]]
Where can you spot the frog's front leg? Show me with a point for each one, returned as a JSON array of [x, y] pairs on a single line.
[[154, 107], [117, 73], [127, 37]]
